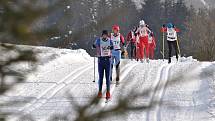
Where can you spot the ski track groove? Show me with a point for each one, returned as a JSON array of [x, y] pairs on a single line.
[[158, 90], [167, 76], [123, 76], [40, 100]]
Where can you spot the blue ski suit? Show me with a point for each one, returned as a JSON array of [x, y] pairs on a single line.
[[104, 60], [118, 41]]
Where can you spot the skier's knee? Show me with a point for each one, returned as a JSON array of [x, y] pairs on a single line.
[[117, 66]]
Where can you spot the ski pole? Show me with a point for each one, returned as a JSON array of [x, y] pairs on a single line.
[[94, 69], [179, 51], [94, 66], [163, 46]]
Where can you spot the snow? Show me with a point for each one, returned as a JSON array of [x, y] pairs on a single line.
[[55, 38], [70, 32], [138, 4], [205, 4], [68, 7], [185, 90]]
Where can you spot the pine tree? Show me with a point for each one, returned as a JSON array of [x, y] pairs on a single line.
[[20, 23], [168, 11], [181, 14]]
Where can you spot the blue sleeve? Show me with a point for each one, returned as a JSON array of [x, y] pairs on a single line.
[[97, 43], [111, 43]]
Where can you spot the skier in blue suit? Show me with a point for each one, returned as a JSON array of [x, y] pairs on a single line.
[[104, 45]]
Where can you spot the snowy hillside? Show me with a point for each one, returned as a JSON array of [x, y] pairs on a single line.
[[201, 3], [185, 90]]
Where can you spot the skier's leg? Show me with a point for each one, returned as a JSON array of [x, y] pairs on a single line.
[[146, 46], [141, 49], [107, 73], [111, 68], [135, 51], [118, 65], [138, 52], [101, 73], [170, 50], [132, 51]]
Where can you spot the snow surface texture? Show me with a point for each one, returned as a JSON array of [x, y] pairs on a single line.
[[138, 4], [185, 90]]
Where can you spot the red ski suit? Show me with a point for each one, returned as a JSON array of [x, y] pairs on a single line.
[[152, 46], [142, 42]]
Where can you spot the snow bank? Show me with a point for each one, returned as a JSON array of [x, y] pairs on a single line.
[[47, 54], [188, 59], [138, 3]]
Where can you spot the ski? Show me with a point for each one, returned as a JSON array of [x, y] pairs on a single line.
[[107, 101], [117, 84]]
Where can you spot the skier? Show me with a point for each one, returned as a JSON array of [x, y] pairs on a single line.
[[118, 44], [142, 39], [171, 39], [152, 45], [131, 39], [104, 45]]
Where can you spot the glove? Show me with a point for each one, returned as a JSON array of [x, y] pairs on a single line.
[[94, 46], [147, 25], [124, 47]]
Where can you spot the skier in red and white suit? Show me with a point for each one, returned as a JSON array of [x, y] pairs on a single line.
[[142, 39], [152, 45]]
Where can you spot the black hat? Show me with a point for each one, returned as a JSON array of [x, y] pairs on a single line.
[[105, 32]]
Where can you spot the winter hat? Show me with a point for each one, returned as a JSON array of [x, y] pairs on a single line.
[[105, 32], [116, 27], [170, 25], [142, 22]]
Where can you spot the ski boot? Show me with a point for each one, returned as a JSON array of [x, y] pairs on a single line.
[[107, 96], [142, 61], [99, 95], [147, 60], [169, 61]]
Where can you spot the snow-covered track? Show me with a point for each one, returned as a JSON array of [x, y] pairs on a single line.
[[50, 92], [126, 68], [158, 90]]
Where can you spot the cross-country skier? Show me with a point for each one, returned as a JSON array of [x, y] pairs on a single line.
[[131, 39], [171, 39], [118, 44], [142, 33], [104, 46], [152, 45]]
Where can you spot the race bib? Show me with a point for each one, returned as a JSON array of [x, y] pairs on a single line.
[[171, 34], [116, 41], [105, 51], [143, 32], [105, 48]]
